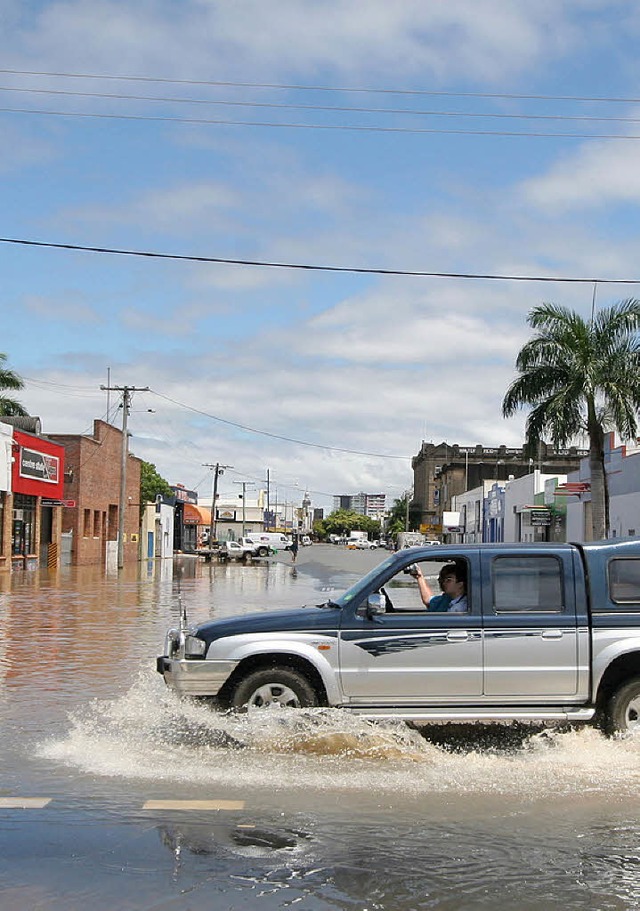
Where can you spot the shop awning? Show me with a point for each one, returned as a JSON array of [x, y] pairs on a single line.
[[196, 515]]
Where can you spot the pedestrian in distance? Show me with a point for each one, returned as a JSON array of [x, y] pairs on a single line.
[[295, 543]]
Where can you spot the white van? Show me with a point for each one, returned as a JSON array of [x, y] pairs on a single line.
[[269, 541]]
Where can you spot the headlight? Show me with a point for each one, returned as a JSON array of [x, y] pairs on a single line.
[[194, 647]]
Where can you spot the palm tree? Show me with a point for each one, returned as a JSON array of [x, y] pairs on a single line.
[[581, 376], [9, 380]]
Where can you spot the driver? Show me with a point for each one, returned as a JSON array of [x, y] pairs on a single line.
[[453, 582]]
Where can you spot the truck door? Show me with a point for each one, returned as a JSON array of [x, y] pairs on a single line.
[[531, 632], [409, 654]]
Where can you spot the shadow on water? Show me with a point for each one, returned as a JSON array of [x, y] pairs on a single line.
[[499, 738]]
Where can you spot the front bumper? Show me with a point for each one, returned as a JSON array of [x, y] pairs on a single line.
[[195, 677]]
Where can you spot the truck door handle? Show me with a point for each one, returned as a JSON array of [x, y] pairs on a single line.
[[552, 634], [457, 635]]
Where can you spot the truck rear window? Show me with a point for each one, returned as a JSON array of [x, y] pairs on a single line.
[[523, 584], [624, 580]]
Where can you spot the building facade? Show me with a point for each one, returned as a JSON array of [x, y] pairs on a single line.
[[365, 504], [92, 492], [31, 489], [622, 467], [442, 472]]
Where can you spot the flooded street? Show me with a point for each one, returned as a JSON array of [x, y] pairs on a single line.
[[313, 809]]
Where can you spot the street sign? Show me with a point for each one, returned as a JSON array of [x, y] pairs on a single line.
[[69, 503]]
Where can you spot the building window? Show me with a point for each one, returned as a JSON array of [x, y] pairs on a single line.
[[86, 525], [113, 522], [96, 523], [23, 531]]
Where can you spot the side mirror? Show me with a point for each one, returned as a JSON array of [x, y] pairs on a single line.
[[375, 604]]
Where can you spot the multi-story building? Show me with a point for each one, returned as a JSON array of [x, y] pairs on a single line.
[[442, 472], [365, 504]]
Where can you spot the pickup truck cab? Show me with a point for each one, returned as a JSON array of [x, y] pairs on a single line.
[[549, 633]]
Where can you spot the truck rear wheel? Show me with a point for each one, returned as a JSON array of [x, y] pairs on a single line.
[[622, 715], [263, 551], [271, 686]]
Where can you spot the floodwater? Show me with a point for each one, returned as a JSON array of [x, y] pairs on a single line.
[[313, 809]]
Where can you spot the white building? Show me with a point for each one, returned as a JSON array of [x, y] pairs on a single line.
[[524, 519], [156, 539], [622, 465], [471, 507]]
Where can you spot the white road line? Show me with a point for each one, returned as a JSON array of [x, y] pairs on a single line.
[[193, 805], [23, 803]]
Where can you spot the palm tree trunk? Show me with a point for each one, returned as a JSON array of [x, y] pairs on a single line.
[[599, 518]]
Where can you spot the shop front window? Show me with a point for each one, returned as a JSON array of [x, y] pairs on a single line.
[[23, 531]]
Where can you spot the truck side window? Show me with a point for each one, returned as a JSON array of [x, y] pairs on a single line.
[[522, 584], [624, 580]]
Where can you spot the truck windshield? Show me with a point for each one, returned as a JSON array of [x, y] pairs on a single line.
[[365, 582]]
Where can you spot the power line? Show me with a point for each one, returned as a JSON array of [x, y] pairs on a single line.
[[314, 267], [416, 112], [353, 128], [325, 88], [275, 436]]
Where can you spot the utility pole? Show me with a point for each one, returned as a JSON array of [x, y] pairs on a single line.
[[244, 489], [126, 404], [218, 469], [268, 513]]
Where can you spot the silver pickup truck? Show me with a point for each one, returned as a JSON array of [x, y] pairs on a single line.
[[548, 633]]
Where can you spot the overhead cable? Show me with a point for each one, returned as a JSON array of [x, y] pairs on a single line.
[[276, 436], [314, 267], [327, 88], [354, 128]]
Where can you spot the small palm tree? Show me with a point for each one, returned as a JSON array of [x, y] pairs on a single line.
[[581, 376], [9, 380]]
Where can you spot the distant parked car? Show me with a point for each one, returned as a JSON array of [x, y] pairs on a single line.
[[240, 550], [361, 544], [305, 541]]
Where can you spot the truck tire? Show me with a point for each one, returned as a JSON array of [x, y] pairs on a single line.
[[263, 551], [622, 715], [275, 685]]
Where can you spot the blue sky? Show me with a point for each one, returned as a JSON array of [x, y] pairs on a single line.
[[362, 366]]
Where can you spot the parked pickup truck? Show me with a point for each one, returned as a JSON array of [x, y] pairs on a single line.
[[550, 633]]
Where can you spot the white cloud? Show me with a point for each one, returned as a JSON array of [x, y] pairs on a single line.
[[598, 175], [484, 38]]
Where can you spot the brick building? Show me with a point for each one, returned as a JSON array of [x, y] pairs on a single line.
[[92, 482]]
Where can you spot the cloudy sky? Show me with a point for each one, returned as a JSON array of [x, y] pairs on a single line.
[[421, 136]]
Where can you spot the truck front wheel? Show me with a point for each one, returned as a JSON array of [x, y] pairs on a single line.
[[269, 686], [623, 711]]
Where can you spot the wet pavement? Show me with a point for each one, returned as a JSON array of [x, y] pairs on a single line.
[[115, 795]]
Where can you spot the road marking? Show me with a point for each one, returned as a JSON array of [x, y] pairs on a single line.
[[23, 803], [193, 805]]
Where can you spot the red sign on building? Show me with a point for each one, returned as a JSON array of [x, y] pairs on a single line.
[[38, 466]]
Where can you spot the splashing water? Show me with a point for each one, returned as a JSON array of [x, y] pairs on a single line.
[[150, 734]]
